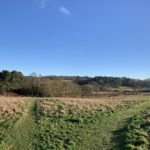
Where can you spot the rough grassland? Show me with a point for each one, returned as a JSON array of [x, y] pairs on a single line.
[[82, 126], [23, 135], [69, 123], [106, 135], [137, 132], [11, 110]]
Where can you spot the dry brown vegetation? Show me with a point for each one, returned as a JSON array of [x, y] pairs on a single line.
[[103, 101], [13, 105], [77, 105], [65, 123], [9, 106]]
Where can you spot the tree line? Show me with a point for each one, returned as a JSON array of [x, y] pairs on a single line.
[[56, 86], [10, 81]]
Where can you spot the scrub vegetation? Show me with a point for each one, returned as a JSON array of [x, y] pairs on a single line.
[[15, 83], [120, 122]]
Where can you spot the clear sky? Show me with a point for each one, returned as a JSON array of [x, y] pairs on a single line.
[[76, 37]]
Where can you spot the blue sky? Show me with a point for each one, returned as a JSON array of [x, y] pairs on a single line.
[[76, 37]]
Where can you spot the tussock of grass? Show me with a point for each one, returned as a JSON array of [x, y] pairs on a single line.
[[137, 135]]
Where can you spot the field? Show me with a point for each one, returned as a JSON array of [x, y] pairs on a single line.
[[113, 123]]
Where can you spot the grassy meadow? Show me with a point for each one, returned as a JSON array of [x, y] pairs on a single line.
[[116, 123]]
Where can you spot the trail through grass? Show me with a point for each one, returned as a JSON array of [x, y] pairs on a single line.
[[137, 133], [23, 135], [51, 124], [108, 133]]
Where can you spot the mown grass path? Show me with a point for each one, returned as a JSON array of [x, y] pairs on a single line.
[[23, 135], [108, 134]]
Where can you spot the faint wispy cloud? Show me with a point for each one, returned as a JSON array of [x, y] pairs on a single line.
[[42, 3], [64, 11]]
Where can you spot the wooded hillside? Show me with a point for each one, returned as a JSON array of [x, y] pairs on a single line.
[[53, 86]]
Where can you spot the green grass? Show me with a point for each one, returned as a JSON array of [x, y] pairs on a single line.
[[23, 134], [6, 125], [137, 134], [86, 130], [108, 133], [58, 126]]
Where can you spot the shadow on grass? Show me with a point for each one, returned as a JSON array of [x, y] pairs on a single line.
[[119, 136]]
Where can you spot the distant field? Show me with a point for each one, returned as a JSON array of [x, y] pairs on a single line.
[[117, 122]]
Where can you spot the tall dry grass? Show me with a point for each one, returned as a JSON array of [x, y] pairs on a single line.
[[10, 106], [77, 105]]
